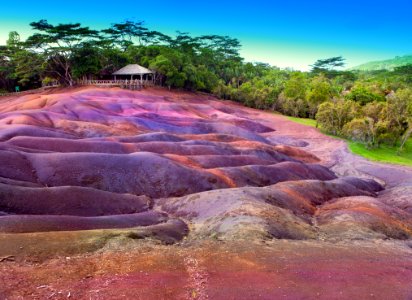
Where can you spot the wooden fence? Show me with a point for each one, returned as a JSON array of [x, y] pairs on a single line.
[[134, 84]]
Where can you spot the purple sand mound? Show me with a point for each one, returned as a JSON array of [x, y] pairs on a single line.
[[95, 158]]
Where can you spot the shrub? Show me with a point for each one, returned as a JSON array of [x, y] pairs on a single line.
[[333, 115]]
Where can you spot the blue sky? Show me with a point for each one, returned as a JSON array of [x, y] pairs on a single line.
[[283, 33]]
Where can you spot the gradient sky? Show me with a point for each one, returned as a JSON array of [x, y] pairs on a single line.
[[284, 33]]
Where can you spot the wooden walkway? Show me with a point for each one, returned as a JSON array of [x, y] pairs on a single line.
[[134, 84]]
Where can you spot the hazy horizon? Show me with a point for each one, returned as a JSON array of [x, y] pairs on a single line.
[[282, 34]]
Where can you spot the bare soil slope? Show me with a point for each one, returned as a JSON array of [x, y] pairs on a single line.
[[94, 183]]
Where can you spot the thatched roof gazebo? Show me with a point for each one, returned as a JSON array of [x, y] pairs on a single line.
[[134, 70]]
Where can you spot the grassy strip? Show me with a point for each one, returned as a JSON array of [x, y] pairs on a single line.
[[303, 121], [384, 153]]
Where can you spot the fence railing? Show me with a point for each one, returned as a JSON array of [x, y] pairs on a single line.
[[129, 84], [134, 84]]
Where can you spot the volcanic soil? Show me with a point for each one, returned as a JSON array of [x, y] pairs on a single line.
[[155, 194]]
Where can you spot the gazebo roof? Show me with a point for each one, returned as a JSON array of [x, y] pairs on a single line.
[[133, 70]]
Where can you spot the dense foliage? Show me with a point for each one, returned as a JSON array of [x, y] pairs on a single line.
[[371, 107]]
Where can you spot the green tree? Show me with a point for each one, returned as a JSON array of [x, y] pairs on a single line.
[[329, 66], [23, 67], [399, 115], [295, 87], [364, 94], [58, 43], [320, 90], [111, 60], [374, 110], [128, 33], [29, 68], [86, 61], [7, 65], [362, 130], [333, 115], [169, 67]]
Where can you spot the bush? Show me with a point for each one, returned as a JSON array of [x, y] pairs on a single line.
[[361, 130], [333, 115], [364, 95]]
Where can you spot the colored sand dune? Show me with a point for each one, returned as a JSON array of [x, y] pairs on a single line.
[[106, 169]]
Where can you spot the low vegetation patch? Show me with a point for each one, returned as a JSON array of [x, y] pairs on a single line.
[[383, 153], [303, 121]]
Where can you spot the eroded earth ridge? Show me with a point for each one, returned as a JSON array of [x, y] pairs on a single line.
[[90, 169]]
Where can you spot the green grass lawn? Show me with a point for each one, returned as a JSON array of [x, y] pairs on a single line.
[[384, 153], [304, 121]]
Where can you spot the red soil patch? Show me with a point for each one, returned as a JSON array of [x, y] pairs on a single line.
[[286, 270]]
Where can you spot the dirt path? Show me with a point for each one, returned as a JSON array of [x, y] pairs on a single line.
[[212, 270]]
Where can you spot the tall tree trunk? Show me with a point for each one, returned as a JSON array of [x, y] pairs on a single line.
[[405, 137]]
